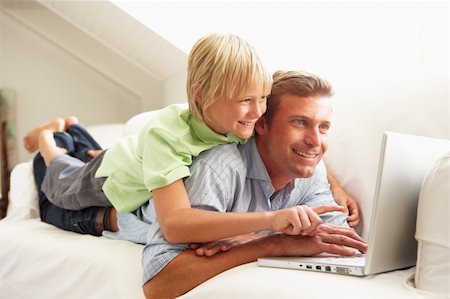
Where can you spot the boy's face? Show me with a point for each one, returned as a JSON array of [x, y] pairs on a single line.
[[294, 143], [238, 115]]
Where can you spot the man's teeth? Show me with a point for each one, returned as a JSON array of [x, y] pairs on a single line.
[[307, 155]]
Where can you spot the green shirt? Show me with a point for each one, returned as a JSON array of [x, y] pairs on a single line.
[[157, 157]]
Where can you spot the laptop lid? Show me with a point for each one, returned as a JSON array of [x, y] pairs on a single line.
[[404, 162]]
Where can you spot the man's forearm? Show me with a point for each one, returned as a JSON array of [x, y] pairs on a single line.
[[188, 270]]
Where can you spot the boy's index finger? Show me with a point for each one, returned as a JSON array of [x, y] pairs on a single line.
[[329, 208]]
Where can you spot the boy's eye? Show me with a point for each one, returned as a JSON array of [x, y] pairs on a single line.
[[263, 99], [245, 101]]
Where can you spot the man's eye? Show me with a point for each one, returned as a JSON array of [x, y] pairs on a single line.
[[324, 128], [299, 122]]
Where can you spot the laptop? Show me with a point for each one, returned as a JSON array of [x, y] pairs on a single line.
[[405, 160]]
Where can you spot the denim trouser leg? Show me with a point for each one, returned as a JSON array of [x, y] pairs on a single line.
[[83, 141], [82, 221]]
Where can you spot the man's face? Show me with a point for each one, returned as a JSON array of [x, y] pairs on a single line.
[[295, 141]]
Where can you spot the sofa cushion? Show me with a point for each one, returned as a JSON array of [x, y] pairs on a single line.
[[107, 134], [137, 122], [432, 230], [23, 197]]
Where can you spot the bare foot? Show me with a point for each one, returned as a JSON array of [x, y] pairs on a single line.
[[31, 139], [70, 121], [47, 146]]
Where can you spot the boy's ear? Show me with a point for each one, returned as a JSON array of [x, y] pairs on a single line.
[[261, 126], [196, 91]]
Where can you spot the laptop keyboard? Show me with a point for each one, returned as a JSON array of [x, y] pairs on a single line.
[[356, 260]]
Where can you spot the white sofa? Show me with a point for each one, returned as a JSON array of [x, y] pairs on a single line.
[[38, 260]]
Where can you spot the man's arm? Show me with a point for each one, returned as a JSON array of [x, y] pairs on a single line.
[[188, 270]]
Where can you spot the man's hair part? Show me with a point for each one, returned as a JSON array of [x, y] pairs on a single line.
[[297, 83]]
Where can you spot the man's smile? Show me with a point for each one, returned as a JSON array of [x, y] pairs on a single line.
[[306, 155]]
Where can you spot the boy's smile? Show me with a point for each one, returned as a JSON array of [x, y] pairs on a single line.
[[238, 115]]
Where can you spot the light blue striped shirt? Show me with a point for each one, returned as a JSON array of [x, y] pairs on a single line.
[[233, 178]]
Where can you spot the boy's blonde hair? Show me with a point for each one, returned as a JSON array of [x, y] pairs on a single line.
[[222, 65]]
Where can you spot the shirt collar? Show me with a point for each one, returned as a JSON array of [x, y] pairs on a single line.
[[207, 135], [255, 165], [256, 168]]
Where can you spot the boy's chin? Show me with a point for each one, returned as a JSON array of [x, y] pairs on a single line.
[[244, 135]]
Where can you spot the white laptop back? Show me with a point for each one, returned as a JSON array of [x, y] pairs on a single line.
[[404, 162]]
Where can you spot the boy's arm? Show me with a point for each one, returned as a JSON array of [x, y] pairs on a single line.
[[187, 270], [344, 199], [182, 224]]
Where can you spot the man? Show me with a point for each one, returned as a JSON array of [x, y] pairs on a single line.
[[279, 168]]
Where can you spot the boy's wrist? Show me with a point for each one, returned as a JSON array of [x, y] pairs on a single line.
[[268, 218]]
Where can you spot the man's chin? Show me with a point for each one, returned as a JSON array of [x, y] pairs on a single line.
[[306, 172]]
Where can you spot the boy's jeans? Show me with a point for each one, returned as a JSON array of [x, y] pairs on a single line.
[[77, 141]]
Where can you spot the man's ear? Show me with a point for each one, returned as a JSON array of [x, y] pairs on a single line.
[[196, 91], [261, 126]]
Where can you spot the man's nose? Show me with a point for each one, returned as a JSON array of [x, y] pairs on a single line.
[[312, 137]]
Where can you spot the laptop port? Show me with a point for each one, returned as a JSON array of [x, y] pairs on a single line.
[[308, 267], [342, 270], [318, 267], [328, 268]]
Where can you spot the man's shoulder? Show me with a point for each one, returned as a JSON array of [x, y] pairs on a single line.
[[221, 155], [226, 159]]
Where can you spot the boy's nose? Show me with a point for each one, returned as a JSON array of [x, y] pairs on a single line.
[[258, 109]]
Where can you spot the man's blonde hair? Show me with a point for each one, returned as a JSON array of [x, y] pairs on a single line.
[[298, 83], [222, 65]]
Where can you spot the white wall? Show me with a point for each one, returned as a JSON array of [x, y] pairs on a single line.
[[175, 88], [50, 81]]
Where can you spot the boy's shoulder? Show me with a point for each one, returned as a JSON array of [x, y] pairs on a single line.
[[174, 118], [170, 114], [173, 112]]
